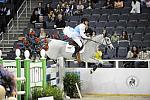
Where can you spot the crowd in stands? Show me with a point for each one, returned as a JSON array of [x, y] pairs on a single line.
[[5, 15], [59, 14], [8, 8]]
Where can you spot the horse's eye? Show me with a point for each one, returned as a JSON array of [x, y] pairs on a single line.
[[107, 39]]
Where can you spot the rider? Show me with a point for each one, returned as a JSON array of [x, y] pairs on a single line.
[[77, 34]]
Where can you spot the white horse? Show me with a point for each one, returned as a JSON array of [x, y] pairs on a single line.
[[57, 48]]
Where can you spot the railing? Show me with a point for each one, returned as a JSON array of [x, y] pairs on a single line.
[[1, 37], [20, 11], [117, 61], [30, 5], [10, 26]]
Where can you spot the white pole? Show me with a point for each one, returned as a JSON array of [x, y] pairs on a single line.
[[61, 70], [78, 91]]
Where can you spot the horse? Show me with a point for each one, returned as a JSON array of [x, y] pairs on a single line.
[[57, 48]]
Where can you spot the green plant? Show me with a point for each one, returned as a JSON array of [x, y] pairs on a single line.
[[38, 92], [69, 84]]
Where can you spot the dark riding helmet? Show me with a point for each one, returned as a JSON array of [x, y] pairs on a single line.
[[84, 19]]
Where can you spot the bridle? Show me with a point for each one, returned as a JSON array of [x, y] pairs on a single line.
[[107, 44]]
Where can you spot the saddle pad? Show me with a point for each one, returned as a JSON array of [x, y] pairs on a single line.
[[71, 48]]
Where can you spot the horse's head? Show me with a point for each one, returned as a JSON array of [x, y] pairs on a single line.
[[103, 40]]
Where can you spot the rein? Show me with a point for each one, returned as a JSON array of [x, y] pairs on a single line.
[[97, 42]]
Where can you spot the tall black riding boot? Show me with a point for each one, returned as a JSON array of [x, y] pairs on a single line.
[[77, 49]]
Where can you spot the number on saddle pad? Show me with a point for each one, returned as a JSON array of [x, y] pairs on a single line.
[[71, 48]]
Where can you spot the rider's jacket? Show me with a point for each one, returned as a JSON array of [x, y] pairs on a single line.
[[78, 31]]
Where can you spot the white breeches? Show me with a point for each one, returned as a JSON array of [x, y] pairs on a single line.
[[78, 41]]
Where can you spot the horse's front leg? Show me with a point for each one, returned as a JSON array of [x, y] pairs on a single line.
[[97, 64]]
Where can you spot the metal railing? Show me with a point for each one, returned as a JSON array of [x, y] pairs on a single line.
[[30, 5], [1, 37], [116, 65], [20, 11], [10, 26]]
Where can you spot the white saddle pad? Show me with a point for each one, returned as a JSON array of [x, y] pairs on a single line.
[[71, 48]]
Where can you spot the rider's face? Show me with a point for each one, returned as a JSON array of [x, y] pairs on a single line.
[[86, 23]]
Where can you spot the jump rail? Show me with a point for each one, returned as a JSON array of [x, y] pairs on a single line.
[[16, 64]]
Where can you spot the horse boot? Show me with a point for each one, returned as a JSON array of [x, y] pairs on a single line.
[[95, 67]]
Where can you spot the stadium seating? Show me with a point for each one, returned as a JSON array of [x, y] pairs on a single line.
[[119, 20]]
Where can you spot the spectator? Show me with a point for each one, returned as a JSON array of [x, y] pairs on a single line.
[[98, 55], [68, 11], [124, 36], [144, 54], [94, 1], [51, 16], [89, 6], [31, 33], [3, 19], [55, 35], [43, 34], [48, 9], [60, 22], [63, 6], [133, 53], [2, 24], [34, 17], [40, 9], [118, 4], [89, 32], [3, 1], [135, 6], [41, 20], [147, 3], [59, 10], [114, 37], [108, 4], [80, 8], [104, 32], [143, 2], [7, 13], [71, 4]]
